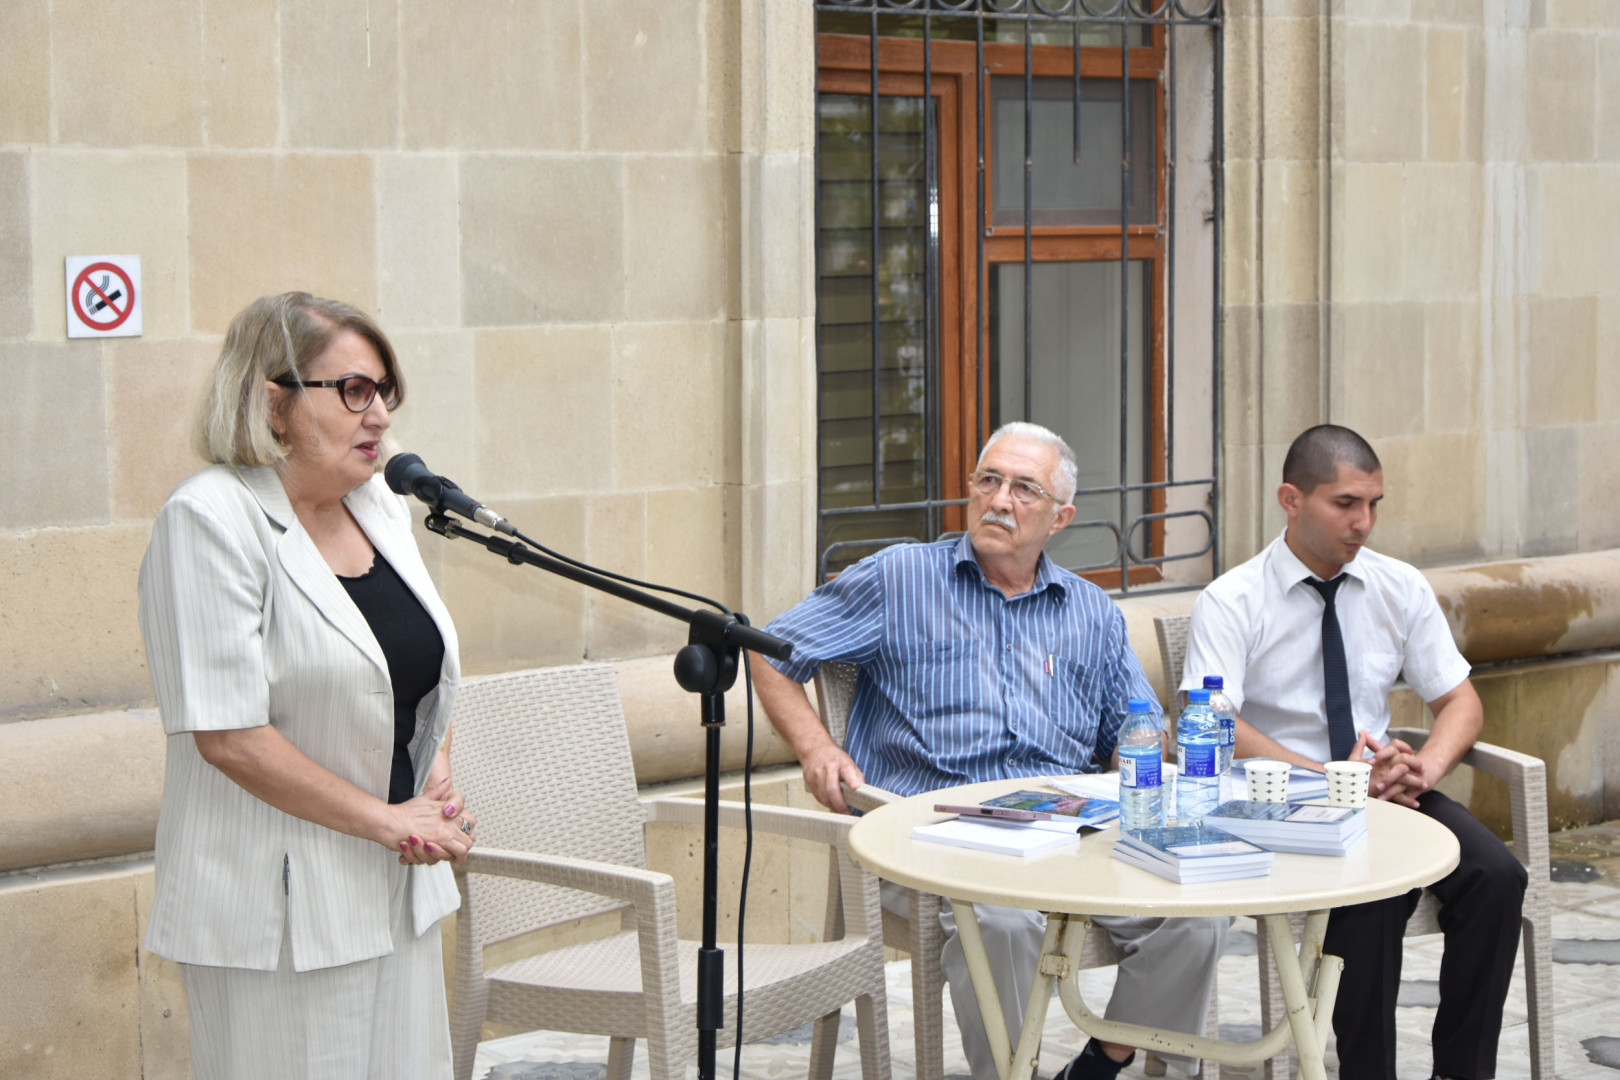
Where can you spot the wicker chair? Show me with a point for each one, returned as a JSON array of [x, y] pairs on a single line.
[[1526, 778], [544, 759], [919, 933]]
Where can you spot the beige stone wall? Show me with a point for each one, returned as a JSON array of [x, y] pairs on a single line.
[[586, 226], [1423, 245]]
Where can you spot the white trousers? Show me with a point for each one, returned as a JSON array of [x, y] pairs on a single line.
[[1164, 978], [380, 1019]]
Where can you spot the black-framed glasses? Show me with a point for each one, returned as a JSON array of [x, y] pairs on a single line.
[[1027, 492], [357, 391]]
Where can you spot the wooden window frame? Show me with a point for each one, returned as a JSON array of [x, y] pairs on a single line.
[[844, 67]]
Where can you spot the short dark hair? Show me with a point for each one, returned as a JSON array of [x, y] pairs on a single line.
[[1316, 455]]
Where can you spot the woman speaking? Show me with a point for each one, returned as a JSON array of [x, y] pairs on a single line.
[[305, 670]]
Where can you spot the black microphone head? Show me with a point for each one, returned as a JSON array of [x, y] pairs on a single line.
[[403, 471]]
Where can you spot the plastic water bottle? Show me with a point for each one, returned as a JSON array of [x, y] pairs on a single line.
[[1198, 746], [1141, 753], [1226, 716]]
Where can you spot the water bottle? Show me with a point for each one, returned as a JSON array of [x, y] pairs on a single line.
[[1198, 745], [1226, 716], [1141, 753]]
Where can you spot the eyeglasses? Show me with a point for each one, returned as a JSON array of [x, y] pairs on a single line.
[[1026, 492], [358, 391]]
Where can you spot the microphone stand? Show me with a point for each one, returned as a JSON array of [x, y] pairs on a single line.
[[707, 666]]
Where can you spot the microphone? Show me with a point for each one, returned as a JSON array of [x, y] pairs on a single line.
[[408, 475]]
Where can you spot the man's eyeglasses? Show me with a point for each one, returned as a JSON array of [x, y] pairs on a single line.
[[1026, 492], [357, 391]]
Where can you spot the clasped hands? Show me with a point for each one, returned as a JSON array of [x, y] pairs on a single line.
[[1399, 775], [434, 826]]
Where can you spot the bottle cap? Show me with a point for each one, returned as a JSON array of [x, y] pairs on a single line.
[[1137, 704], [1213, 682], [1198, 697]]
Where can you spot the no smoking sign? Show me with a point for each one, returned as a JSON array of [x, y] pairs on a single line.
[[103, 296]]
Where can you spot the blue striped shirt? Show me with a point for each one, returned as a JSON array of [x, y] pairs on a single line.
[[957, 682]]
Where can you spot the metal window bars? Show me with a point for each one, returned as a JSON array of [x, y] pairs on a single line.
[[1080, 21]]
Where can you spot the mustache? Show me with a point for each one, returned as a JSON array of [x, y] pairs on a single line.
[[992, 517]]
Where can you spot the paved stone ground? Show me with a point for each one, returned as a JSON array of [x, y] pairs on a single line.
[[1586, 999]]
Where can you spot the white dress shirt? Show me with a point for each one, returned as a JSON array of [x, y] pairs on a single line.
[[1259, 627]]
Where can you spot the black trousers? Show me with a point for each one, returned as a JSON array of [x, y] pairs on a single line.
[[1480, 905]]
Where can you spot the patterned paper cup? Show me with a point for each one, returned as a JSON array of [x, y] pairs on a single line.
[[1347, 782], [1268, 780]]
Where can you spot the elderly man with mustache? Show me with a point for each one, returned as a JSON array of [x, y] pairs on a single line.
[[980, 660]]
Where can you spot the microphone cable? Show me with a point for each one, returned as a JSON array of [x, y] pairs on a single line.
[[748, 759]]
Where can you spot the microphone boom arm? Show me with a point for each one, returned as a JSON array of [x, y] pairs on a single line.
[[728, 631]]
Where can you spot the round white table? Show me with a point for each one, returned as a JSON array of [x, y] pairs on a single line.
[[1403, 850]]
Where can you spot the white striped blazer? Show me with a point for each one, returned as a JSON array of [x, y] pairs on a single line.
[[245, 624]]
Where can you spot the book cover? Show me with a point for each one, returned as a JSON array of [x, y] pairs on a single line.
[[1183, 843], [1084, 810]]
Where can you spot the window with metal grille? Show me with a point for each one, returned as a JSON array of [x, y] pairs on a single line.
[[999, 226]]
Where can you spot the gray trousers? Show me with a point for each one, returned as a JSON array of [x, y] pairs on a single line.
[[1164, 979]]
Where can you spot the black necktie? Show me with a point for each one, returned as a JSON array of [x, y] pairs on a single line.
[[1335, 677]]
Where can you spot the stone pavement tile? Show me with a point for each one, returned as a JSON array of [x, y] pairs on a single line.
[[1607, 905], [1595, 1021], [1568, 894], [1584, 923]]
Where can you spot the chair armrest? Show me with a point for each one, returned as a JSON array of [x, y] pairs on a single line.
[[859, 890], [652, 894], [630, 883], [814, 825], [1526, 777], [866, 797]]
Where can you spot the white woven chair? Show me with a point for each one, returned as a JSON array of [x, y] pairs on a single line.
[[920, 934], [544, 759], [1526, 778]]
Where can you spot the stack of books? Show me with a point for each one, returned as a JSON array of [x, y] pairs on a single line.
[[1192, 853], [1001, 837], [1019, 823], [1307, 828]]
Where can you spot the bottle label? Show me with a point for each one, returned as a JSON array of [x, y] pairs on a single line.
[[1198, 759], [1228, 729], [1139, 771]]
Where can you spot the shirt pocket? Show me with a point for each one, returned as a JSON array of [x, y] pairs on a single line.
[[943, 678], [1073, 698], [1378, 670]]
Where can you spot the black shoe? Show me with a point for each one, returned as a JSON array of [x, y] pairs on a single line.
[[1093, 1063]]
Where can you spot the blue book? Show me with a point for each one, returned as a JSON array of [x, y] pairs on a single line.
[[1080, 810], [1191, 853], [1306, 828]]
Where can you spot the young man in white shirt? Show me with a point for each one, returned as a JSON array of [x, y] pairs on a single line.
[[1268, 628]]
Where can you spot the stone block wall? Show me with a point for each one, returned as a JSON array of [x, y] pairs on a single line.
[[585, 226], [1421, 247]]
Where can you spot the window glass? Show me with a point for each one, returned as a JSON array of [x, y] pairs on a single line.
[[1075, 382], [844, 316], [1066, 192]]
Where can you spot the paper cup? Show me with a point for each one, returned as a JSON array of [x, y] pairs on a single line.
[[1268, 780], [1347, 782]]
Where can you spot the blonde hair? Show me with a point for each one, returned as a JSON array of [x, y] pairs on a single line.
[[273, 338]]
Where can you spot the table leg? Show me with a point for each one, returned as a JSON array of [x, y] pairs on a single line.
[[1012, 1063], [984, 985], [1297, 1001]]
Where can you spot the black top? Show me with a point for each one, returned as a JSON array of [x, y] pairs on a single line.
[[414, 650]]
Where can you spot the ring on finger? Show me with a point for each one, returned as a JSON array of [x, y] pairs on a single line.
[[466, 827]]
